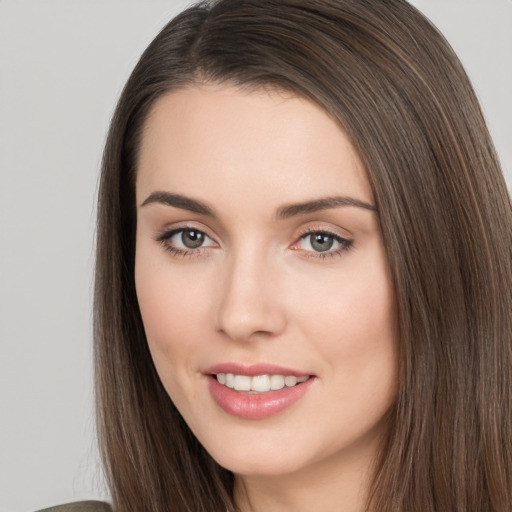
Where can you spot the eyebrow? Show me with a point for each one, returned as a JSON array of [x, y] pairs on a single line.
[[285, 212], [322, 204], [179, 201]]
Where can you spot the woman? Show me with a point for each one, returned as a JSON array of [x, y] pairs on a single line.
[[303, 288]]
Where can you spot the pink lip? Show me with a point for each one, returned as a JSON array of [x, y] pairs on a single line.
[[253, 369], [255, 406]]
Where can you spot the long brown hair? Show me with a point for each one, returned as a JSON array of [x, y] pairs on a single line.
[[395, 86]]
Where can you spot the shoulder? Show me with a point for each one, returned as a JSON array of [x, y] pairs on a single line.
[[81, 506]]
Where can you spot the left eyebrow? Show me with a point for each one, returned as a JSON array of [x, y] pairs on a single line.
[[322, 204]]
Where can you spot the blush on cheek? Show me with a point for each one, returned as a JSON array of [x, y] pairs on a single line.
[[164, 324], [358, 328], [170, 313]]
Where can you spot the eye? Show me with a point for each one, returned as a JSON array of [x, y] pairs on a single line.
[[189, 238], [183, 240], [323, 243]]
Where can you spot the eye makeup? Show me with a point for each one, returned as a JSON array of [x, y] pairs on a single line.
[[188, 241]]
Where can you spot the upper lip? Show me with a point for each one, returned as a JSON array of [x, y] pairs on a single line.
[[252, 370]]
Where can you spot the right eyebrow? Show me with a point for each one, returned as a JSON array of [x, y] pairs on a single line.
[[179, 201]]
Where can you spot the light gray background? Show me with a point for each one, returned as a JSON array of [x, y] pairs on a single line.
[[62, 66]]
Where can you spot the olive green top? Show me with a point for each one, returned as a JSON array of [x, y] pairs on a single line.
[[81, 506]]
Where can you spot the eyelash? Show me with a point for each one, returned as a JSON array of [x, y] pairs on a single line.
[[175, 251], [344, 243]]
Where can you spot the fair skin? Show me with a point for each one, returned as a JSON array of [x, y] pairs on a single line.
[[237, 279]]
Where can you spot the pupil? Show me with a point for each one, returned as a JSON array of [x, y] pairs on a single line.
[[192, 239], [322, 242]]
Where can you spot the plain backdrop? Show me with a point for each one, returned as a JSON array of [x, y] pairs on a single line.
[[62, 66]]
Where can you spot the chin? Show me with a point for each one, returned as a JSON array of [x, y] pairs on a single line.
[[278, 450], [255, 451], [278, 464]]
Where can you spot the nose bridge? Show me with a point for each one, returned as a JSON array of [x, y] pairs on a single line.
[[249, 302]]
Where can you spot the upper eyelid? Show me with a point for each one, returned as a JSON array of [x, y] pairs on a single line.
[[342, 240], [336, 236], [322, 228], [326, 231], [166, 235], [168, 230]]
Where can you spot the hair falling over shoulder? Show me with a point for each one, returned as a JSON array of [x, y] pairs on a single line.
[[395, 86]]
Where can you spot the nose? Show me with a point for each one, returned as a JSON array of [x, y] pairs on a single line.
[[251, 305]]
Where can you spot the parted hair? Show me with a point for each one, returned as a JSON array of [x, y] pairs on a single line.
[[395, 86]]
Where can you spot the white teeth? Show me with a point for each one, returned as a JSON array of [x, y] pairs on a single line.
[[230, 380], [276, 382], [259, 383], [242, 383], [290, 381]]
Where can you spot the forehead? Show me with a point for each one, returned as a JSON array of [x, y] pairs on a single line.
[[263, 141]]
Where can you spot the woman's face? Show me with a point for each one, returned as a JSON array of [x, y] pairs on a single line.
[[260, 265]]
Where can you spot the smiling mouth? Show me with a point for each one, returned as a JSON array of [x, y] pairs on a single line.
[[258, 383]]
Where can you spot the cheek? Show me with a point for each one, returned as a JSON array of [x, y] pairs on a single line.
[[353, 309], [171, 306], [351, 321], [158, 305]]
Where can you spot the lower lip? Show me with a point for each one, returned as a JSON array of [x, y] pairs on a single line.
[[256, 406]]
